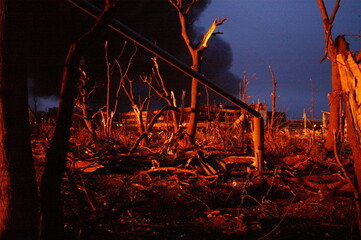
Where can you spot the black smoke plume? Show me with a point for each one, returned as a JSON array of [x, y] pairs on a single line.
[[52, 25]]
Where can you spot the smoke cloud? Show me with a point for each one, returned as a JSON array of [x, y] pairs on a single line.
[[57, 23]]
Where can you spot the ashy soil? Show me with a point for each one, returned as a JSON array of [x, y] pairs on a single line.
[[167, 206], [144, 196]]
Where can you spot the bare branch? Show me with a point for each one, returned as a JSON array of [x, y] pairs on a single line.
[[273, 97], [176, 5], [145, 101], [151, 124], [216, 33], [210, 32], [104, 18], [161, 81], [220, 21], [323, 11], [335, 9], [184, 25], [189, 7], [327, 24], [122, 75], [118, 57]]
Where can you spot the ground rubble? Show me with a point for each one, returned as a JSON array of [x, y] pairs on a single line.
[[204, 195]]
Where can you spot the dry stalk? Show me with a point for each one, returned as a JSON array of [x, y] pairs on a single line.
[[168, 169], [274, 98], [195, 197], [253, 198], [151, 124], [272, 183], [160, 89]]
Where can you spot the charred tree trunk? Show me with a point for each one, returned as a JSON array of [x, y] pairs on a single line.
[[51, 204], [18, 190], [350, 76], [50, 195], [335, 108], [335, 95], [193, 117], [196, 51]]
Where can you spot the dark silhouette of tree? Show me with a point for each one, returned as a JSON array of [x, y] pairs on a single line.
[[18, 190], [50, 195]]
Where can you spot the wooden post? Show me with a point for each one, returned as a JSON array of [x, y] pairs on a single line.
[[258, 133]]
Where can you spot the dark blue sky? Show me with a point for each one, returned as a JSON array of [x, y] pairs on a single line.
[[288, 35]]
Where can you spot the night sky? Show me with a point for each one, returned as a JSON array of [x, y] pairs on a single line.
[[288, 35], [57, 25]]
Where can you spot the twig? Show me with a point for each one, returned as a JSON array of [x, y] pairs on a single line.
[[327, 24], [345, 173], [272, 183], [168, 169], [249, 196], [286, 213], [150, 126], [196, 198]]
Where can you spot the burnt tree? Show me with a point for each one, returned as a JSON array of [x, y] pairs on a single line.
[[335, 97], [196, 52], [50, 196], [274, 98], [350, 76], [18, 190]]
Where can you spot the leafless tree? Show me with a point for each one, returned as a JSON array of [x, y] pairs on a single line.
[[50, 196], [345, 86], [109, 113], [196, 50], [274, 98], [331, 51], [138, 104], [350, 76], [156, 83], [243, 95], [82, 101], [243, 91]]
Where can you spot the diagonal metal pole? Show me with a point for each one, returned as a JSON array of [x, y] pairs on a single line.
[[124, 30], [127, 32]]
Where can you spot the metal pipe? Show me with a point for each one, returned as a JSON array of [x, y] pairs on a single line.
[[116, 25]]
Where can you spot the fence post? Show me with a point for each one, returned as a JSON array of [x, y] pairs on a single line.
[[258, 136]]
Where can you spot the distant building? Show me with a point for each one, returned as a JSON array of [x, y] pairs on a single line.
[[225, 116]]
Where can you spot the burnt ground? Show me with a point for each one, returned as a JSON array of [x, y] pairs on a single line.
[[168, 206], [146, 196]]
